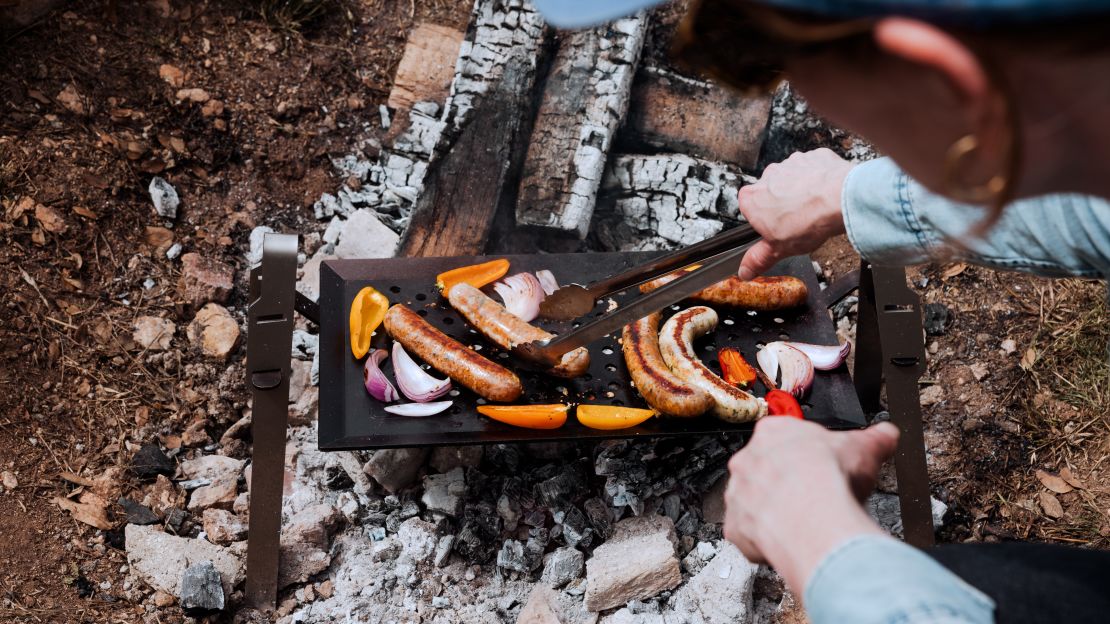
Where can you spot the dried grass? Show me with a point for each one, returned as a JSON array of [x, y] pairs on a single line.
[[295, 15], [1067, 403]]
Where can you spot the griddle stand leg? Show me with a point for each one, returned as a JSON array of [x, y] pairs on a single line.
[[269, 343], [890, 346]]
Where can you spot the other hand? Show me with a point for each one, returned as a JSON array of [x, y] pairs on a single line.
[[795, 206], [795, 492]]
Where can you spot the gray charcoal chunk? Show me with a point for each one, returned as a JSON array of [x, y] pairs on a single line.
[[201, 591]]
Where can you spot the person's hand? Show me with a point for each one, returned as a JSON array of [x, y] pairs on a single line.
[[795, 206], [795, 492]]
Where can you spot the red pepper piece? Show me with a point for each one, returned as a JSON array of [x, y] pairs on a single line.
[[735, 369], [782, 403]]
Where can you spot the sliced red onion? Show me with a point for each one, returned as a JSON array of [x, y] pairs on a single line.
[[547, 281], [824, 357], [413, 381], [522, 294], [795, 368], [377, 384], [418, 410]]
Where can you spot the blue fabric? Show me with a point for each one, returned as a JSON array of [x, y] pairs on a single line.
[[875, 579], [966, 12], [893, 220], [581, 13]]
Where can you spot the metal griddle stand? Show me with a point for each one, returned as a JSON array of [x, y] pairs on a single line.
[[889, 347]]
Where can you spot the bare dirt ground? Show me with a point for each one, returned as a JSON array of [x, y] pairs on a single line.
[[90, 109]]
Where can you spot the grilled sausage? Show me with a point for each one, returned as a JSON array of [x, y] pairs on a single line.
[[662, 390], [507, 330], [676, 343], [764, 294], [450, 357]]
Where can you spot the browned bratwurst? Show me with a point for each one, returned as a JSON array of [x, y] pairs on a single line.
[[507, 329], [661, 388], [452, 358], [763, 294]]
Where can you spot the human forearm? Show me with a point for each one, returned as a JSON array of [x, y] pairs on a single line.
[[795, 545]]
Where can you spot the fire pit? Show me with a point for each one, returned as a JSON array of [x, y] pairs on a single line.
[[888, 338], [351, 419]]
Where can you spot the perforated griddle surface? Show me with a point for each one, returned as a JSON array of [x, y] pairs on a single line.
[[352, 419]]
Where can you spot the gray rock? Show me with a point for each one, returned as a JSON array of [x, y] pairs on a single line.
[[164, 197], [299, 561], [201, 589], [396, 469], [153, 333], [175, 519], [212, 467], [365, 236], [637, 562], [222, 526], [721, 593], [305, 543], [160, 559], [443, 493], [204, 279], [214, 331], [562, 566]]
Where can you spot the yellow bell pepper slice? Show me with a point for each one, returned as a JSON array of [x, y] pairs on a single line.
[[477, 275], [610, 417], [367, 311], [551, 416]]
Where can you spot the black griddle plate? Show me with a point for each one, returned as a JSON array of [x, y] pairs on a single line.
[[352, 419]]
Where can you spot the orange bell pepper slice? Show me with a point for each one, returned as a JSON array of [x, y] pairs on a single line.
[[735, 369], [367, 311], [610, 417], [550, 416], [477, 275]]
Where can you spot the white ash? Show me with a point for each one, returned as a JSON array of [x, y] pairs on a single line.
[[665, 201], [503, 35]]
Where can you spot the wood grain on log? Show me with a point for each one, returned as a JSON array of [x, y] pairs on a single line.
[[676, 113], [489, 105], [584, 102], [427, 66]]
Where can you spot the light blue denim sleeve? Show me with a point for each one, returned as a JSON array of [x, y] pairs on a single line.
[[875, 579], [892, 219]]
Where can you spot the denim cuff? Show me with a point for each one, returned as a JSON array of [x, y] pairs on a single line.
[[879, 215], [892, 220], [872, 579]]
